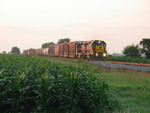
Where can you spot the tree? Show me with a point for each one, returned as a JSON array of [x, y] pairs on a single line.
[[145, 43], [15, 50], [63, 40], [45, 45], [132, 51], [4, 52], [26, 51]]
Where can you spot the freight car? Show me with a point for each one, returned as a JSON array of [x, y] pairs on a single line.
[[75, 49]]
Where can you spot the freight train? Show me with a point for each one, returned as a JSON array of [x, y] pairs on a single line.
[[75, 49]]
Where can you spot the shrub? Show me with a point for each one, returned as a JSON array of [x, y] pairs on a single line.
[[132, 51], [145, 43], [128, 59]]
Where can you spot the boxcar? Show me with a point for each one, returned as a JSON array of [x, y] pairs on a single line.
[[66, 49], [61, 50], [32, 52], [40, 51], [46, 51], [50, 50], [56, 50], [74, 48]]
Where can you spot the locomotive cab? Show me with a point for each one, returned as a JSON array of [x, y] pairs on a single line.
[[93, 49], [99, 49]]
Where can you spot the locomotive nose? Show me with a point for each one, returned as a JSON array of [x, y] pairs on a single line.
[[104, 54]]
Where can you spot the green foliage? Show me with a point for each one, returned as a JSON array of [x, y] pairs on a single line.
[[4, 52], [25, 52], [63, 40], [45, 45], [128, 59], [145, 43], [132, 51], [15, 50], [34, 85], [131, 88]]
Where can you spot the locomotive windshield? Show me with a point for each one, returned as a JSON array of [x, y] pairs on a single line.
[[98, 42]]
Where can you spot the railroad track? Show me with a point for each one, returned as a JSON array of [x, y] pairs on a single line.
[[118, 65], [122, 65], [126, 63]]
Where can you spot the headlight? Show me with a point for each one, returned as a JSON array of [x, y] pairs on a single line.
[[104, 54]]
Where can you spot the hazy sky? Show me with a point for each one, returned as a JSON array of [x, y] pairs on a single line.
[[30, 23]]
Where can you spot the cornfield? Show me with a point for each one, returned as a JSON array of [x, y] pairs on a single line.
[[32, 85]]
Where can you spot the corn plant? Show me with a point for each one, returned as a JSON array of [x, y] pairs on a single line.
[[30, 85]]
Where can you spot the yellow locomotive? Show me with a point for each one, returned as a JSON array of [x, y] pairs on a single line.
[[91, 49]]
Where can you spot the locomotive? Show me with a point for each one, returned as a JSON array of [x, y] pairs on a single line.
[[75, 49]]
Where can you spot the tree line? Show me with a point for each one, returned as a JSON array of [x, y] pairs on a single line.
[[143, 48], [63, 40], [45, 45], [16, 50]]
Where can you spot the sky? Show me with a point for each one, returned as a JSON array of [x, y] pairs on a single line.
[[30, 23]]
